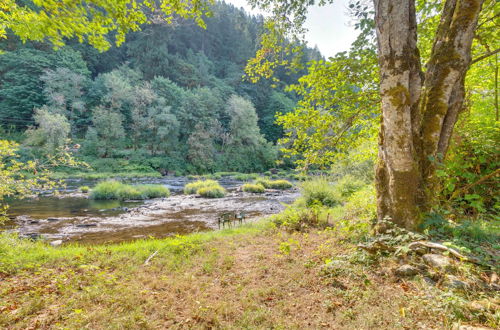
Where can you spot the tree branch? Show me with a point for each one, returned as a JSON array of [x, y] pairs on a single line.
[[481, 180], [482, 57]]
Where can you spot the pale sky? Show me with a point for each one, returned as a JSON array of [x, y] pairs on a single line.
[[328, 26]]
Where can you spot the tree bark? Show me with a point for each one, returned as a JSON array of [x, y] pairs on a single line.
[[418, 114]]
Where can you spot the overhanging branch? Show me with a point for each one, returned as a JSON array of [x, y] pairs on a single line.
[[482, 57]]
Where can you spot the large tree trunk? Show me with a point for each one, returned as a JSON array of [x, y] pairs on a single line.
[[418, 115]]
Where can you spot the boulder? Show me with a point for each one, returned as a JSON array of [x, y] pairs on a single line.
[[406, 271], [453, 282], [438, 261]]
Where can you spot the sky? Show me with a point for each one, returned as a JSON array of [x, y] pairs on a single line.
[[328, 26]]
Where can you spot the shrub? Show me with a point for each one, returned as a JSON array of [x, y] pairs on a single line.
[[214, 191], [84, 189], [301, 218], [153, 190], [205, 188], [192, 187], [253, 188], [349, 185], [113, 189], [280, 184], [320, 191], [274, 184]]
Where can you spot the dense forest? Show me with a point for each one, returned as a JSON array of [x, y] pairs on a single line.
[[171, 98]]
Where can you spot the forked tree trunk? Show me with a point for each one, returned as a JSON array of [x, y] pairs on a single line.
[[419, 110]]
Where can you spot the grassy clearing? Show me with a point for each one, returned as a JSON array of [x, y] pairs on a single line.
[[253, 188], [112, 189], [205, 188], [254, 276]]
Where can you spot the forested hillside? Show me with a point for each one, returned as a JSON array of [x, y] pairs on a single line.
[[170, 98]]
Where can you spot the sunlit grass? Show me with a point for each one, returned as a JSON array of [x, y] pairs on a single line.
[[113, 189]]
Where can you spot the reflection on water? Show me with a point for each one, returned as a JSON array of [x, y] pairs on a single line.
[[46, 207]]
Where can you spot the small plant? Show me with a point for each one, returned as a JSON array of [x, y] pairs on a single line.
[[286, 247], [253, 188], [205, 188], [84, 189], [113, 189]]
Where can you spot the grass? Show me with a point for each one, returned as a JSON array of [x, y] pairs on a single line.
[[274, 184], [245, 176], [103, 175], [84, 189], [113, 189], [253, 276], [205, 188], [215, 191], [253, 188]]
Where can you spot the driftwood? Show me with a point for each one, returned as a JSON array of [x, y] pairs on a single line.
[[438, 246], [150, 257]]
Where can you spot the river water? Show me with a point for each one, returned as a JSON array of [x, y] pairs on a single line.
[[72, 217]]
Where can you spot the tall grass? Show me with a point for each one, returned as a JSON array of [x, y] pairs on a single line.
[[253, 188], [205, 188], [320, 191], [18, 253], [274, 184], [113, 189]]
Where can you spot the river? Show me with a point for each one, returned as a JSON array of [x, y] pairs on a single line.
[[71, 216]]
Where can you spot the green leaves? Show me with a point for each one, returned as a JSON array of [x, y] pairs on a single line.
[[94, 20]]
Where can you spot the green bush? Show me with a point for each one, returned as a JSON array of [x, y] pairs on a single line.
[[84, 189], [280, 184], [113, 189], [274, 184], [214, 191], [192, 187], [205, 188], [253, 188], [319, 191], [348, 185], [153, 190]]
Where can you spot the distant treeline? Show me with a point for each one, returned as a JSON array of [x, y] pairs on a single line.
[[171, 97]]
